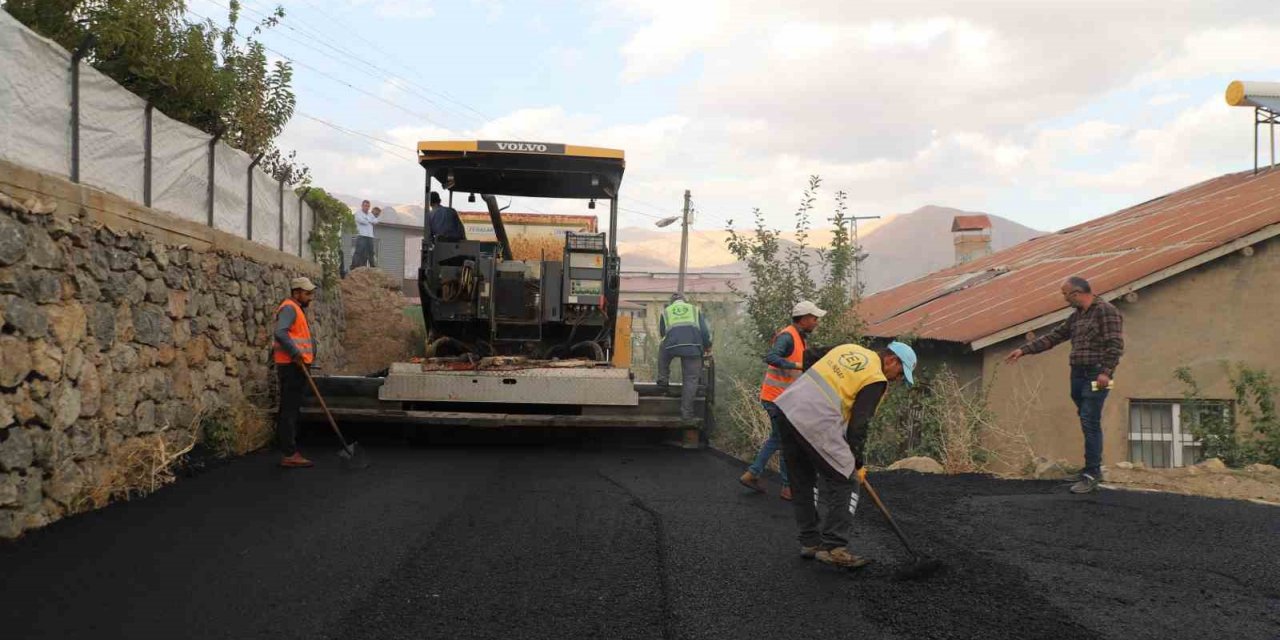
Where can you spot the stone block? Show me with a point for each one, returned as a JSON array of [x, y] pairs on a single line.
[[15, 361], [66, 406], [68, 323], [27, 318], [17, 451], [46, 360], [90, 391], [13, 241], [43, 251], [102, 325], [151, 326], [920, 464]]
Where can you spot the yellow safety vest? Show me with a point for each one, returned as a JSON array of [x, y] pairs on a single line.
[[820, 403]]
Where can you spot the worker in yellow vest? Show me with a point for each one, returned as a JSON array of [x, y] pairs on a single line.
[[785, 363], [825, 415], [293, 348]]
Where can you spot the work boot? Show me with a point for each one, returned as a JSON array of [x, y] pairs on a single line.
[[808, 552], [841, 557], [786, 494], [1087, 484], [295, 461], [751, 481]]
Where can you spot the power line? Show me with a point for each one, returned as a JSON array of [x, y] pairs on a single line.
[[343, 52], [358, 134]]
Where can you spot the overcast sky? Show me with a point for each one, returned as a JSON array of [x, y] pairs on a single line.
[[1046, 112]]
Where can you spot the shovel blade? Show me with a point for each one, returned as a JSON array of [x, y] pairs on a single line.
[[353, 457]]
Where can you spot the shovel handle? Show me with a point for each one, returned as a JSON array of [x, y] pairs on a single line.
[[875, 497], [316, 390]]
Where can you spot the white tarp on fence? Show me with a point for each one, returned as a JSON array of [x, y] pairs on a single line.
[[36, 131], [266, 210], [179, 169], [308, 223], [291, 221], [35, 99], [230, 190], [113, 135]]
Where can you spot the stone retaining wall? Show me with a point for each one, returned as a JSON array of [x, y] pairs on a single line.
[[109, 334]]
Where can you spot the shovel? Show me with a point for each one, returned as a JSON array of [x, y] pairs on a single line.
[[921, 566], [352, 458]]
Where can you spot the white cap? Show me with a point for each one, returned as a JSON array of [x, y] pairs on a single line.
[[806, 308], [302, 283]]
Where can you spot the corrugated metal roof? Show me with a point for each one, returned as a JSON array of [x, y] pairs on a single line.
[[977, 299], [970, 223]]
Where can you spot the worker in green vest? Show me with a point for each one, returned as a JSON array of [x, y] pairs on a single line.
[[685, 335]]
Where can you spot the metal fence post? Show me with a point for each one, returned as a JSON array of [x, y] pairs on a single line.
[[213, 149], [76, 56], [147, 158], [280, 234], [248, 202]]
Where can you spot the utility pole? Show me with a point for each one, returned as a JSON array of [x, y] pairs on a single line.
[[858, 255], [684, 241], [684, 236]]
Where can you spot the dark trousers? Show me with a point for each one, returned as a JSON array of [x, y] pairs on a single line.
[[1089, 406], [293, 385], [838, 493], [690, 375], [363, 255]]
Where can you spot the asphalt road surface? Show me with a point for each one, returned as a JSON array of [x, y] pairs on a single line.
[[620, 541]]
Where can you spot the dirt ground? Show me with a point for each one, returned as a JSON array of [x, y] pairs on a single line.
[[378, 332], [1209, 478]]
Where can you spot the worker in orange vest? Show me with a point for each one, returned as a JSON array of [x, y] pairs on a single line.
[[294, 348], [785, 362]]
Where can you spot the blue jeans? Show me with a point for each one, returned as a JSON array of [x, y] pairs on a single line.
[[770, 446], [1089, 406]]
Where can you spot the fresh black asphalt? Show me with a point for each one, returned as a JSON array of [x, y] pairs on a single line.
[[619, 540]]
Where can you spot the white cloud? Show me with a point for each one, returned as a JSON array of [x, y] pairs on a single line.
[[1165, 99], [901, 105]]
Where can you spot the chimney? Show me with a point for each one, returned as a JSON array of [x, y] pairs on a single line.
[[972, 237]]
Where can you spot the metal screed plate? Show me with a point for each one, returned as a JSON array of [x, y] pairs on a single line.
[[559, 386]]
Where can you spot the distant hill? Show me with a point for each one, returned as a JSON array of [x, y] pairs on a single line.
[[900, 247]]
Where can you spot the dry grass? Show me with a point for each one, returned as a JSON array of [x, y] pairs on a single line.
[[134, 468], [963, 416], [537, 247], [377, 331], [748, 424], [250, 428], [1010, 443]]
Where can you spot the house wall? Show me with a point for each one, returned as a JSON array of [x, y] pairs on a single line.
[[1219, 313]]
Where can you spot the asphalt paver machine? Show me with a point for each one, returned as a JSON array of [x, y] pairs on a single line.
[[520, 335]]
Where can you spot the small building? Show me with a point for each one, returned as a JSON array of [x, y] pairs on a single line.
[[1195, 274], [645, 294]]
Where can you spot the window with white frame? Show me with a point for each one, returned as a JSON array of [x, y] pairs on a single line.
[[1159, 435]]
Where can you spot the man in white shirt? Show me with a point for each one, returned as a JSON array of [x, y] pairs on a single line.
[[363, 256]]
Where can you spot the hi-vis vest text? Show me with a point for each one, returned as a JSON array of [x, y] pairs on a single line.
[[820, 403], [680, 314], [299, 332], [776, 380]]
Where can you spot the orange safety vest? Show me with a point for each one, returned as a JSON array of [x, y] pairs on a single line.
[[777, 380], [299, 333]]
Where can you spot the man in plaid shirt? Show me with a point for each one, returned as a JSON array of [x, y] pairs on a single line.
[[1096, 331]]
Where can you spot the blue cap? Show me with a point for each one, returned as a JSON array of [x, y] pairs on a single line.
[[908, 357]]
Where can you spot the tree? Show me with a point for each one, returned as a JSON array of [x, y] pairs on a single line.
[[332, 219], [781, 276]]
